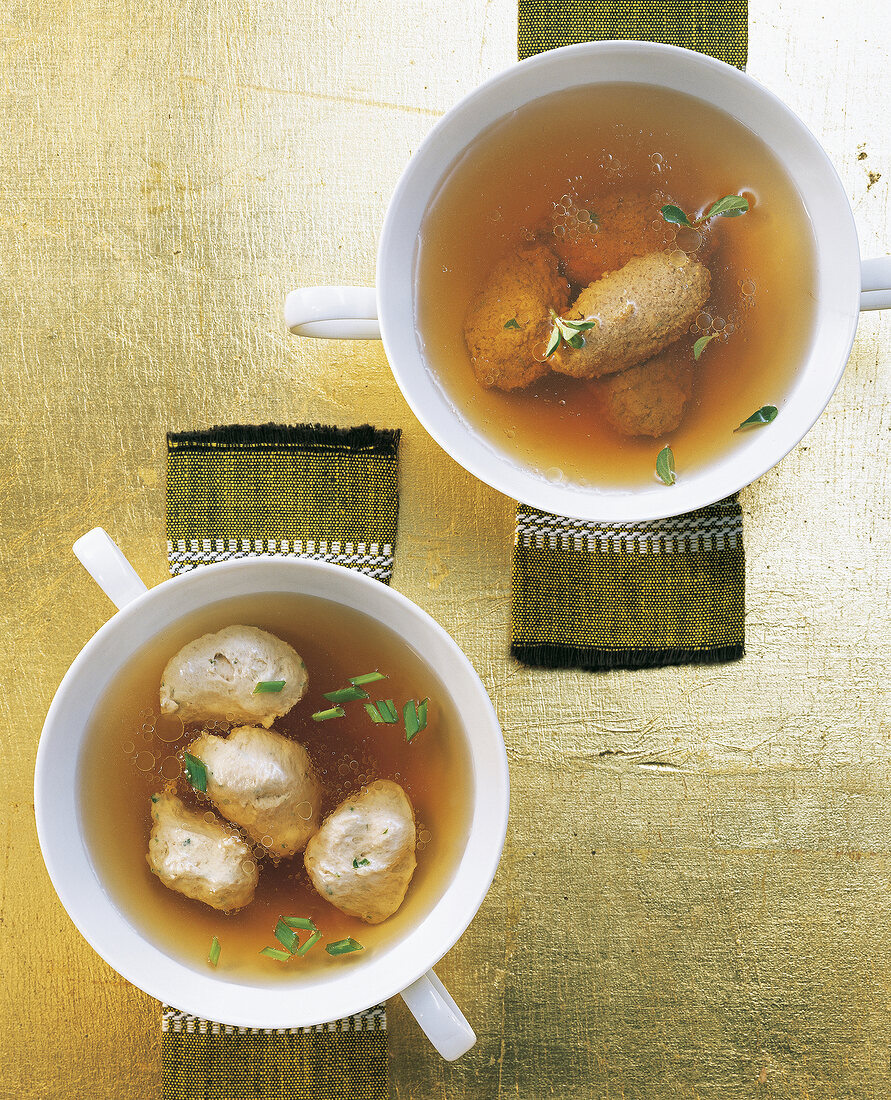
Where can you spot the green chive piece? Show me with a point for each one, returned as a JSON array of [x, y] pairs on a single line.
[[311, 942], [764, 415], [196, 772], [368, 678], [214, 955], [274, 953], [415, 717], [324, 715], [665, 466], [286, 936], [361, 863], [388, 710], [373, 713], [300, 922], [344, 947], [268, 687], [412, 721], [346, 695]]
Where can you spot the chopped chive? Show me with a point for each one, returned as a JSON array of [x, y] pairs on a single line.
[[274, 953], [368, 678], [512, 323], [388, 710], [196, 772], [415, 716], [286, 936], [346, 695], [311, 942], [300, 922], [324, 715], [268, 687], [214, 955], [373, 713], [361, 862], [344, 947]]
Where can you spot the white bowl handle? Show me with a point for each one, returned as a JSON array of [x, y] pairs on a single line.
[[440, 1018], [333, 312], [875, 283], [103, 559]]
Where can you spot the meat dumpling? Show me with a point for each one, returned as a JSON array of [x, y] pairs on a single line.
[[363, 857], [638, 311], [201, 859], [506, 328], [265, 783], [215, 677], [649, 399]]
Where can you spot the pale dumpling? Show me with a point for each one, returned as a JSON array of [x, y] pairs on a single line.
[[201, 859], [215, 677], [363, 857], [265, 783]]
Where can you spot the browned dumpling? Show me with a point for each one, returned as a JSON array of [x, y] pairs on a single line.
[[216, 676], [651, 398], [265, 783], [507, 325], [637, 311], [363, 857], [203, 860]]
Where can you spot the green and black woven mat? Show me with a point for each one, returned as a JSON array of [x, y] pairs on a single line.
[[602, 596], [302, 491]]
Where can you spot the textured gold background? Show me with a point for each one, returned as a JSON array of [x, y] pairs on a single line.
[[694, 899]]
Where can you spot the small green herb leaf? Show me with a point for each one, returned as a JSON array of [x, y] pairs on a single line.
[[764, 415], [311, 942], [300, 922], [553, 341], [286, 936], [196, 772], [675, 216], [512, 323], [274, 953], [577, 326], [324, 715], [665, 466], [268, 687], [731, 206], [368, 678], [213, 956], [701, 344], [361, 862], [346, 695], [344, 947], [577, 341]]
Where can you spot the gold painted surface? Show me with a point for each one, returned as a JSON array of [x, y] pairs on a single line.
[[694, 900]]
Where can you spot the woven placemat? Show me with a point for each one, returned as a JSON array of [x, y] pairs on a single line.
[[294, 491], [603, 596]]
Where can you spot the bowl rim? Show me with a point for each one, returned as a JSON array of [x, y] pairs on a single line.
[[210, 995], [838, 281]]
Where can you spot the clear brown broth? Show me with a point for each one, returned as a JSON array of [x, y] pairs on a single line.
[[593, 145], [131, 751]]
